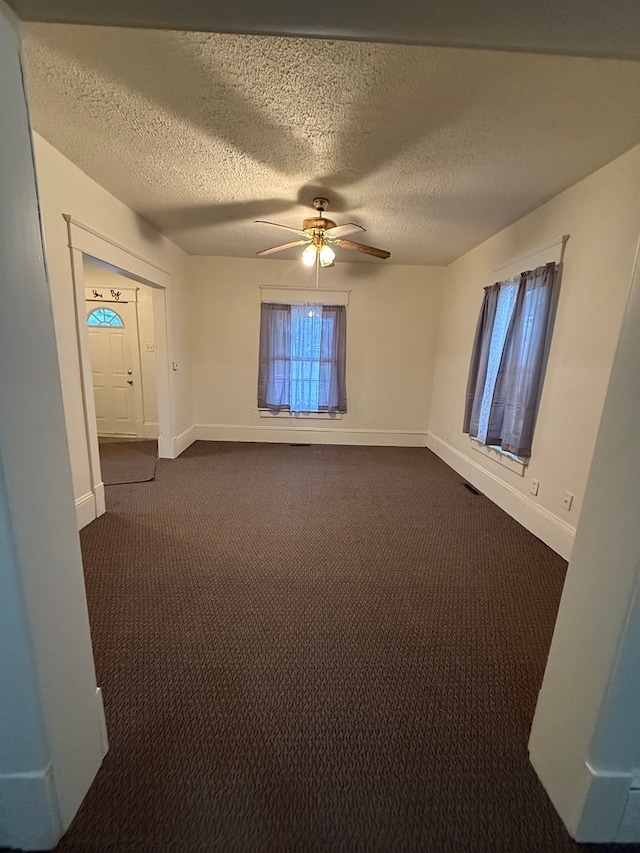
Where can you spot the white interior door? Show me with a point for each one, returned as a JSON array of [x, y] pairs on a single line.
[[113, 345]]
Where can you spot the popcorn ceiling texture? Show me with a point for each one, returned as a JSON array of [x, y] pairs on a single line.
[[431, 149]]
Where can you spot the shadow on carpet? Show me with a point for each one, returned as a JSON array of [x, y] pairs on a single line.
[[125, 462]]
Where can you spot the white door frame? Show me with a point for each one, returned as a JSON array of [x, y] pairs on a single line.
[[84, 240]]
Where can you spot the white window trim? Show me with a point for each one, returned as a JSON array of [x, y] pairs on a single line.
[[507, 460], [541, 255], [303, 295], [320, 416]]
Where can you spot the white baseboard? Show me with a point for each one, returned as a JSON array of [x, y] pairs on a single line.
[[85, 509], [597, 807], [165, 447], [102, 723], [605, 807], [629, 829], [101, 506], [179, 443], [30, 816], [150, 429], [555, 532], [311, 435]]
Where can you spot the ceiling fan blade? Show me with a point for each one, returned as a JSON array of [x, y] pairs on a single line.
[[360, 247], [277, 225], [342, 230], [282, 247]]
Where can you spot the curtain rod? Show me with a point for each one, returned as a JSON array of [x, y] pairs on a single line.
[[538, 250]]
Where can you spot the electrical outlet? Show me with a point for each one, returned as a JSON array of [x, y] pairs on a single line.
[[535, 485], [567, 500]]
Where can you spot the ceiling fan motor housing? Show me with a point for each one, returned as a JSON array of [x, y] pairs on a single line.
[[313, 225]]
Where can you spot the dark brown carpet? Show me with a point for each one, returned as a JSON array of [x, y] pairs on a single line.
[[316, 649], [124, 462]]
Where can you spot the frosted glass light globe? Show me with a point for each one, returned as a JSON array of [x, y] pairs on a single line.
[[309, 255], [327, 256]]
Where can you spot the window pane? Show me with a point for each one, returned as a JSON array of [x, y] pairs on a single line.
[[306, 334], [325, 364], [506, 303], [105, 317]]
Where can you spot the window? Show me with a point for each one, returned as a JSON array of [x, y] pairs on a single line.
[[105, 317], [507, 362], [302, 358]]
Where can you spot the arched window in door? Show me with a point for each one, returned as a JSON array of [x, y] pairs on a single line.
[[105, 317]]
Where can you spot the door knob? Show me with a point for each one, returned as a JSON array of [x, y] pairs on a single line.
[[129, 372], [130, 381]]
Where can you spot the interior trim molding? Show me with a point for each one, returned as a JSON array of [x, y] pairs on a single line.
[[629, 829], [605, 807], [71, 221], [31, 818], [102, 723], [553, 531], [303, 295], [179, 443], [608, 811], [538, 250], [150, 429], [507, 460], [311, 435], [101, 506], [85, 509]]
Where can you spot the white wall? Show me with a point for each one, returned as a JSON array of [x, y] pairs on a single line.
[[64, 189], [602, 215], [51, 722], [585, 740], [391, 336]]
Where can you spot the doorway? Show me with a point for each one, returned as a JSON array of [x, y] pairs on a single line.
[[119, 320], [121, 334], [114, 267]]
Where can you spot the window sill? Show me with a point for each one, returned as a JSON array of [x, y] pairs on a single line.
[[507, 460], [320, 416]]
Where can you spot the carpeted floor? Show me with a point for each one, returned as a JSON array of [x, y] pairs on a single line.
[[316, 649], [124, 462]]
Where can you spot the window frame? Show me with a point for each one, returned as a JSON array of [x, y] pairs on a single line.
[[337, 361], [505, 383], [103, 324]]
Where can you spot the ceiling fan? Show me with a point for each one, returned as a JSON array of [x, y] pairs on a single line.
[[319, 235]]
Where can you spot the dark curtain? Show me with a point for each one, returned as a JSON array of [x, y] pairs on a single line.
[[519, 382], [333, 357], [480, 359], [274, 368]]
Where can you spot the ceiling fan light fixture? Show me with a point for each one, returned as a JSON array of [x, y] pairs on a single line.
[[327, 256], [309, 255], [319, 232]]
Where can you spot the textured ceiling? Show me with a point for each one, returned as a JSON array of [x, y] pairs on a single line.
[[431, 149]]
